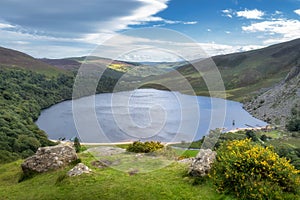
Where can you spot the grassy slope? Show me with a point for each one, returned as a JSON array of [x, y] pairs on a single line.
[[167, 183], [243, 73]]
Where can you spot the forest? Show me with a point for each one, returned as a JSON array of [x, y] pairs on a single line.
[[23, 94]]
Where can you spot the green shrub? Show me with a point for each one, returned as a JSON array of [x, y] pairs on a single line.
[[292, 154], [77, 144], [294, 122], [251, 134], [250, 171], [6, 156], [144, 147]]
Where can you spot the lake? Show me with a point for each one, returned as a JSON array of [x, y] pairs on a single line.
[[142, 114]]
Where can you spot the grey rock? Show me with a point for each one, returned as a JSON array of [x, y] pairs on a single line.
[[50, 158], [274, 106], [202, 163], [79, 169]]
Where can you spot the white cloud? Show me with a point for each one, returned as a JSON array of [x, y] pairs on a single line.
[[122, 44], [191, 22], [4, 26], [228, 13], [18, 36], [213, 49], [43, 46], [227, 32], [167, 21], [297, 11], [144, 13], [170, 21], [134, 48], [250, 14], [281, 29], [21, 42]]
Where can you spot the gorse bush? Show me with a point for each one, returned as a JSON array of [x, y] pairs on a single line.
[[144, 147], [250, 171]]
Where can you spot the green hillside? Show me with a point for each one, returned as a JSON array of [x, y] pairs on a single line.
[[23, 94], [243, 73], [28, 85]]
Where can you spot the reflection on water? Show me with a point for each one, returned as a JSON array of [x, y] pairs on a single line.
[[143, 114]]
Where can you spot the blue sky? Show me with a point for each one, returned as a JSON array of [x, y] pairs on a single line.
[[65, 28]]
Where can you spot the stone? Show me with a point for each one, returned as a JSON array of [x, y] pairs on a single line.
[[186, 160], [50, 158], [132, 172], [202, 163], [79, 169]]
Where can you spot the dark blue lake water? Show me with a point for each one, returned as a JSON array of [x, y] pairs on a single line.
[[143, 114]]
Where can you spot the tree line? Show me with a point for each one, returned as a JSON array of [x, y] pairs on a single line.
[[23, 94]]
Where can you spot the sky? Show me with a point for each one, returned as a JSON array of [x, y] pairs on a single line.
[[67, 28]]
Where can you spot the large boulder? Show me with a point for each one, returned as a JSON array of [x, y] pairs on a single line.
[[50, 158], [202, 163]]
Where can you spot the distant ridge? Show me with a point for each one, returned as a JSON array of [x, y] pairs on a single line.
[[13, 58], [67, 64], [244, 74]]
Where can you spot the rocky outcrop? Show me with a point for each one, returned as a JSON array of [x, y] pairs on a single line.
[[274, 106], [79, 169], [202, 163], [50, 158]]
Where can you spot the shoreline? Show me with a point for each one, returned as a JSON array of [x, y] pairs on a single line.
[[109, 143], [267, 127], [263, 128]]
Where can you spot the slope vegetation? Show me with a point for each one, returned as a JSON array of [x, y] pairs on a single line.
[[243, 73], [15, 59]]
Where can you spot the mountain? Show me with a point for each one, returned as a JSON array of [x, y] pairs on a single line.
[[12, 58], [74, 63], [66, 64], [244, 74], [117, 68]]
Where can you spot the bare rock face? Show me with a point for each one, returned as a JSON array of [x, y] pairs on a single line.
[[50, 158], [79, 169], [202, 163], [274, 105]]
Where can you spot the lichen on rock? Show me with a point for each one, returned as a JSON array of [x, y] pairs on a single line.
[[50, 158], [202, 163]]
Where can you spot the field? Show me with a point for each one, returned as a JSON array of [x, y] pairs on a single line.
[[171, 182]]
